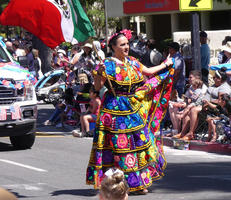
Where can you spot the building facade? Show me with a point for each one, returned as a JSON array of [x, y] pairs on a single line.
[[163, 19]]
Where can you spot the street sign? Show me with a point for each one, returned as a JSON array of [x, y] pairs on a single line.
[[149, 6], [196, 5]]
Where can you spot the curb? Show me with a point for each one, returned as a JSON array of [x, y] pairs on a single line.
[[198, 146], [39, 133]]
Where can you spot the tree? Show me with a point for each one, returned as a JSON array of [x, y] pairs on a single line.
[[95, 11], [2, 6]]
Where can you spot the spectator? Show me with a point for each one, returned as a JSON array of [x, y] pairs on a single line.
[[134, 40], [9, 47], [227, 53], [179, 75], [37, 63], [100, 53], [67, 113], [192, 95], [217, 109], [75, 54], [70, 76], [86, 64], [174, 107], [55, 117], [205, 56], [222, 58], [90, 116], [191, 120], [30, 59], [62, 59], [152, 57], [187, 55], [114, 186], [18, 51], [137, 46]]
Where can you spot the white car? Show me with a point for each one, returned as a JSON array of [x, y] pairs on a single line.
[[18, 103]]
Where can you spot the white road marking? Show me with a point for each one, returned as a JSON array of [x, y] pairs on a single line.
[[32, 187], [22, 165]]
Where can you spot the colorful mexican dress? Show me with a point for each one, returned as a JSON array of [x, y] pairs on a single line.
[[127, 132]]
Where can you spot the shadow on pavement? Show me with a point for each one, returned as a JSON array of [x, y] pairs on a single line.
[[195, 177], [76, 192]]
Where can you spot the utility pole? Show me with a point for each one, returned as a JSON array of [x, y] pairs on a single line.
[[194, 6], [196, 41]]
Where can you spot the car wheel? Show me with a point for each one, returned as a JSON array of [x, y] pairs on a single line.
[[23, 141]]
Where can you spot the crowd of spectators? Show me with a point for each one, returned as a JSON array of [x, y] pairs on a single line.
[[193, 98], [23, 47], [204, 104]]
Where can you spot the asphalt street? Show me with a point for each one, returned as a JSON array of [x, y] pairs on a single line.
[[54, 168]]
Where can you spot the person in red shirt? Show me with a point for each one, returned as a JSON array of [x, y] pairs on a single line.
[[90, 115]]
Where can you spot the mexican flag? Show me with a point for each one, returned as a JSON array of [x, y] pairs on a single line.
[[53, 21]]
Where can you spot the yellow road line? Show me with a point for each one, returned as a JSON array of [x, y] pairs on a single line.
[[44, 134]]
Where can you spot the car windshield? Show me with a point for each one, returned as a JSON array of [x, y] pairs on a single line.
[[3, 56]]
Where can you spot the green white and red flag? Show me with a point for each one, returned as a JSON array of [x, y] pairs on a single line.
[[53, 21]]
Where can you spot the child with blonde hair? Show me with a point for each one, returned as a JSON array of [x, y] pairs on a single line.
[[114, 186], [193, 97]]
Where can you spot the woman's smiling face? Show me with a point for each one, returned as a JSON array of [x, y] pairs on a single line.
[[121, 48]]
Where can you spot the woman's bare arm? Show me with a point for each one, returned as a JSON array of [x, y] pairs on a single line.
[[153, 70]]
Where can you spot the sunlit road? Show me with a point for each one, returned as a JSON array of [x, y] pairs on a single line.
[[55, 169]]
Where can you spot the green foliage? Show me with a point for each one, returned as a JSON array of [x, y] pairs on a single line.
[[95, 11], [3, 5]]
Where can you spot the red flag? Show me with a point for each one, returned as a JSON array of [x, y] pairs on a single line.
[[52, 21], [37, 16]]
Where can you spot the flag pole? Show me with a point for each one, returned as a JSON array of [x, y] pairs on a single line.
[[101, 61]]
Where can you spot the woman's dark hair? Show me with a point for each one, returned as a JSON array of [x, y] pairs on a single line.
[[93, 90], [113, 40], [227, 100], [221, 74]]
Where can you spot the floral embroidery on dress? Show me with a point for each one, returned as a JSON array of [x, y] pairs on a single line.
[[106, 119], [122, 141], [130, 160]]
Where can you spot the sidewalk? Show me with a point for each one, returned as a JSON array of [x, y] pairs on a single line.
[[167, 141], [197, 145]]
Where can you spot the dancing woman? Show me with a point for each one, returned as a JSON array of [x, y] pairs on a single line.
[[126, 134]]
